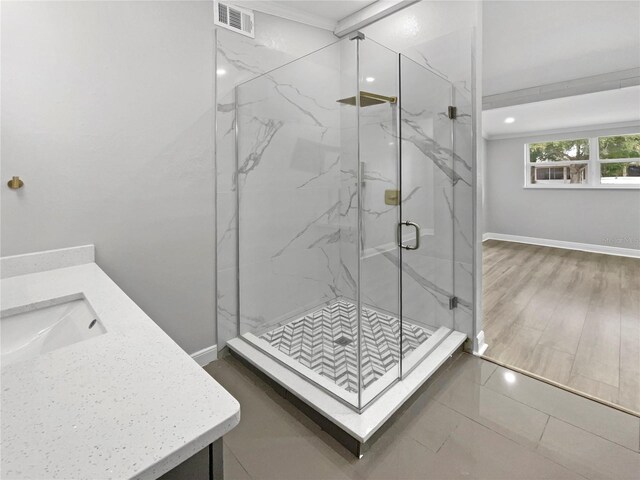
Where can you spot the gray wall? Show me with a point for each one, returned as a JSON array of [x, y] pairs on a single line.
[[107, 116], [595, 216]]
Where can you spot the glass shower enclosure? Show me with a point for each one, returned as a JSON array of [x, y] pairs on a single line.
[[345, 188]]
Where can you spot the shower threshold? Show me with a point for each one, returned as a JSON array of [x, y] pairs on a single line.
[[324, 401]]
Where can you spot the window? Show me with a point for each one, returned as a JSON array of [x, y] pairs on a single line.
[[607, 162], [564, 161], [619, 158]]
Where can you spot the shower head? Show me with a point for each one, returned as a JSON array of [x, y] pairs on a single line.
[[367, 99]]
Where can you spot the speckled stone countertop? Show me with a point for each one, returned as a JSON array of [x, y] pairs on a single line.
[[127, 404]]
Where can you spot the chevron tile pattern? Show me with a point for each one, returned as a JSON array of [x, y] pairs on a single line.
[[326, 342]]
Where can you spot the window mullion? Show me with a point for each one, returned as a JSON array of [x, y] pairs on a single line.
[[527, 167], [594, 162]]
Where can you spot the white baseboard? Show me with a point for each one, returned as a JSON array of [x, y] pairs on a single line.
[[545, 242], [480, 345], [206, 355]]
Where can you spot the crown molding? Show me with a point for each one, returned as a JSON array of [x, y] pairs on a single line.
[[578, 130], [289, 13], [368, 15], [577, 86]]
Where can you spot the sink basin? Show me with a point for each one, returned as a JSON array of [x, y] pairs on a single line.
[[29, 334]]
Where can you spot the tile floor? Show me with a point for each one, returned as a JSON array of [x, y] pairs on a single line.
[[475, 420], [315, 341]]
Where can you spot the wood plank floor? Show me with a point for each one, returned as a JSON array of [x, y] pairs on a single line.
[[572, 317]]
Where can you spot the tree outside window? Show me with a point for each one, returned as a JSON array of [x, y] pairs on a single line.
[[573, 154]]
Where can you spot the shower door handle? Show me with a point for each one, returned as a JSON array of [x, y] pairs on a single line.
[[409, 224]]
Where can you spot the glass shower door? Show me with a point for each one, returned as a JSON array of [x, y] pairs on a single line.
[[379, 216], [426, 228]]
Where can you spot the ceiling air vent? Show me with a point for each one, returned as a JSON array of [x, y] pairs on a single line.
[[235, 18]]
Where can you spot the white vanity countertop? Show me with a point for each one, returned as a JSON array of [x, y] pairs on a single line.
[[127, 404]]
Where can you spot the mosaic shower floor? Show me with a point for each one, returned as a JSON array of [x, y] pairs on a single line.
[[326, 342]]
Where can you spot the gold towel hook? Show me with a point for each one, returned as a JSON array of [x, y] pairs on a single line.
[[15, 183]]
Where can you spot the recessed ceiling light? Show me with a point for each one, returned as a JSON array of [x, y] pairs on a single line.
[[370, 79], [509, 120], [221, 71]]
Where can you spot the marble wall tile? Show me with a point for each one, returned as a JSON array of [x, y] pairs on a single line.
[[288, 180], [282, 288], [277, 42]]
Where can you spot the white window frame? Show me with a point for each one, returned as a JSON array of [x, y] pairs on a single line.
[[594, 180], [613, 160]]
